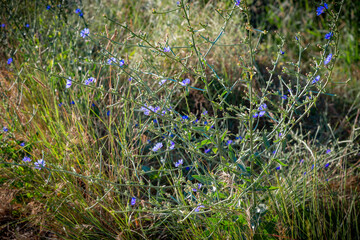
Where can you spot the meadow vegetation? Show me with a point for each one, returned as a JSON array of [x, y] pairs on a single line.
[[199, 119]]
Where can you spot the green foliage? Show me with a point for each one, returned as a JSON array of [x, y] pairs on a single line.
[[235, 170]]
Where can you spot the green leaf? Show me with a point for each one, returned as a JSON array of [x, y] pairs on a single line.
[[203, 179], [280, 162]]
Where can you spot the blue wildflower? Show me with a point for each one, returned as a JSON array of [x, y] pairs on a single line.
[[185, 82], [178, 3], [133, 201], [167, 49], [282, 52], [78, 10], [68, 82], [239, 137], [328, 151], [317, 78], [205, 112], [39, 164], [327, 165], [255, 115], [207, 150], [84, 33], [162, 82], [9, 61], [199, 185], [111, 60], [172, 145], [301, 161], [60, 104], [26, 159], [27, 25], [197, 209], [284, 97], [229, 142], [321, 9], [5, 129], [237, 2], [205, 123], [328, 35], [278, 168], [121, 62], [108, 113], [185, 117], [130, 79], [81, 14], [22, 144], [157, 147], [3, 25], [145, 110], [48, 7], [178, 163], [90, 80], [72, 103], [328, 59]]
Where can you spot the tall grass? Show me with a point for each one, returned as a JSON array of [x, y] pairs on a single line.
[[249, 147]]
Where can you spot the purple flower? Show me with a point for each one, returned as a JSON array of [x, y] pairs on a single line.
[[278, 168], [167, 49], [90, 80], [239, 137], [81, 14], [3, 25], [328, 59], [26, 159], [237, 2], [328, 151], [68, 82], [229, 142], [5, 129], [78, 10], [27, 25], [327, 165], [22, 144], [185, 82], [207, 150], [197, 209], [255, 115], [282, 52], [205, 112], [178, 163], [121, 63], [316, 79], [72, 103], [130, 79], [301, 161], [199, 185], [39, 164], [108, 113], [9, 61], [172, 145], [284, 97], [178, 2], [185, 117], [162, 82], [328, 35], [111, 60], [48, 7], [321, 9], [145, 110], [60, 104], [84, 33], [157, 147], [133, 201]]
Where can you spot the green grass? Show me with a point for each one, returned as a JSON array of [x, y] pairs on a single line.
[[95, 162]]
